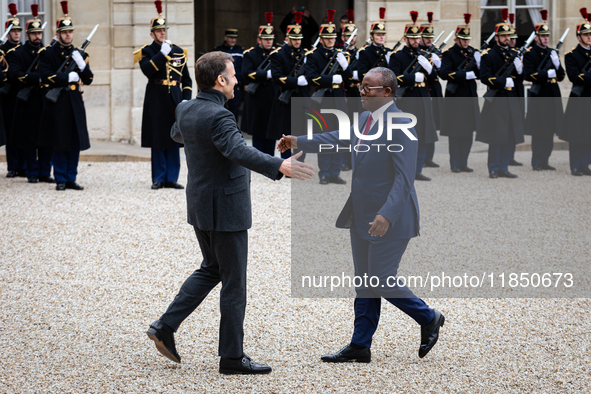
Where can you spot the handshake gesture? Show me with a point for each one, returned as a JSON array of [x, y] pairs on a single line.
[[292, 167]]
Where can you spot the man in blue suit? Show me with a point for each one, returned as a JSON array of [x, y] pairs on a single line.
[[382, 213]]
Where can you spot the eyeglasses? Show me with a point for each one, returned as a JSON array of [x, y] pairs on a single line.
[[366, 89]]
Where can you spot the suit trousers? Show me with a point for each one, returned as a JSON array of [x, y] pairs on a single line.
[[224, 260], [330, 164], [166, 164], [459, 150], [381, 258]]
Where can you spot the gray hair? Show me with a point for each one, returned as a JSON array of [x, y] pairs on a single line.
[[388, 78]]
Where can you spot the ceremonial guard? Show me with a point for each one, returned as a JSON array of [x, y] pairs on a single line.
[[544, 111], [318, 71], [3, 81], [519, 88], [25, 77], [63, 122], [427, 38], [415, 72], [352, 84], [165, 65], [287, 68], [578, 69], [260, 89], [376, 54], [229, 46], [460, 66], [15, 157], [501, 122]]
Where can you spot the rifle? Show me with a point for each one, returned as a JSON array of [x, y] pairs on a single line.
[[6, 88], [264, 66], [546, 64], [382, 58], [25, 93], [578, 89], [467, 65], [54, 94], [415, 67], [334, 67], [509, 66], [298, 70]]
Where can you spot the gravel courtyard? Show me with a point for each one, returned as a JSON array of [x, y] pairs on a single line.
[[83, 274]]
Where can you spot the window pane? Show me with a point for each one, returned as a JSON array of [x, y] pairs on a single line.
[[498, 2]]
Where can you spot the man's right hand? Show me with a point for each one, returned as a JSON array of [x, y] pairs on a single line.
[[296, 169], [287, 142]]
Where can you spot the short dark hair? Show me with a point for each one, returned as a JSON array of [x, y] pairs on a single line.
[[388, 78], [209, 66]]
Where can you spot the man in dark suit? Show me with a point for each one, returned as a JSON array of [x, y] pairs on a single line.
[[382, 213], [218, 205]]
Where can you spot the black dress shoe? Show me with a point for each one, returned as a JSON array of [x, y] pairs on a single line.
[[466, 169], [323, 180], [548, 167], [337, 179], [242, 366], [577, 172], [73, 186], [430, 334], [515, 163], [456, 169], [586, 171], [507, 174], [157, 185], [46, 179], [33, 179], [60, 186], [345, 167], [21, 173], [493, 174], [11, 174], [431, 164], [347, 354], [173, 185], [537, 167], [421, 177], [164, 340]]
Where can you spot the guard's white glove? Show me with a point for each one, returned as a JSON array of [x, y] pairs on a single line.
[[518, 65], [555, 59], [269, 76], [165, 49], [436, 60], [305, 59], [388, 55], [73, 77], [342, 61], [509, 83], [356, 75], [302, 81], [419, 77], [425, 64], [470, 75], [477, 57], [552, 73], [337, 79], [78, 59], [357, 55]]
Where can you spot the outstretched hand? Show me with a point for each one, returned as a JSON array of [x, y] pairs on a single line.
[[379, 226], [287, 142], [296, 169]]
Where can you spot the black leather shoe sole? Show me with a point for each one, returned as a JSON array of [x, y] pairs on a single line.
[[345, 360], [153, 335], [244, 372]]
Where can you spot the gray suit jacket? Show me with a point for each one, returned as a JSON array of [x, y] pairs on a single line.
[[218, 188]]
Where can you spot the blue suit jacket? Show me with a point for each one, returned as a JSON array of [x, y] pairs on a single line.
[[383, 181]]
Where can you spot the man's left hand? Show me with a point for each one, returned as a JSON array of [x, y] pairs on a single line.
[[379, 226]]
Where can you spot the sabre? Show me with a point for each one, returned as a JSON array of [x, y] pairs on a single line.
[[43, 27], [91, 33], [3, 38], [489, 38], [444, 43], [561, 41], [316, 43], [439, 36]]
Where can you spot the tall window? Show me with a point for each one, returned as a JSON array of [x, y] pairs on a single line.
[[24, 14], [527, 15]]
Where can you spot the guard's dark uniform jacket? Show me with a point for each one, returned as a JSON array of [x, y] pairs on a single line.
[[420, 104], [284, 76], [576, 116], [501, 121], [316, 64], [257, 107], [165, 75], [9, 99], [66, 119], [27, 115], [460, 115], [3, 80], [435, 90], [352, 85], [237, 54], [371, 56], [543, 116]]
